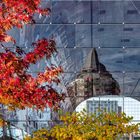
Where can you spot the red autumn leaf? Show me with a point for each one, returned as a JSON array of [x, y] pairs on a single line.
[[20, 89], [15, 13]]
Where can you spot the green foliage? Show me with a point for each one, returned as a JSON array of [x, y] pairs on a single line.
[[83, 126]]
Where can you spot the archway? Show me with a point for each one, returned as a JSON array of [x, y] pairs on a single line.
[[113, 103]]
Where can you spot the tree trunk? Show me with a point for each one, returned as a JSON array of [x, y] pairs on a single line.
[[131, 137]]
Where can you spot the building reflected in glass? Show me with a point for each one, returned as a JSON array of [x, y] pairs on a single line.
[[98, 45]]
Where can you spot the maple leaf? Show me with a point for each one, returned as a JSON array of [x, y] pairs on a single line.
[[7, 38], [15, 13], [20, 89]]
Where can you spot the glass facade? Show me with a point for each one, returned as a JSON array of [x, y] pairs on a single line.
[[112, 27]]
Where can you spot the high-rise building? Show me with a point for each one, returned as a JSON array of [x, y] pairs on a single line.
[[96, 106]]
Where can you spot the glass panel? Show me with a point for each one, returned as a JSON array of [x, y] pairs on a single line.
[[64, 35], [31, 33], [132, 84], [111, 12], [108, 35], [72, 59], [119, 77], [132, 59], [112, 59], [131, 107], [131, 35], [83, 35], [41, 19], [71, 12], [82, 12], [96, 31], [68, 77], [63, 12], [131, 11], [95, 6]]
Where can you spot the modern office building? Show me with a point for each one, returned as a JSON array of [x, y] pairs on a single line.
[[97, 107]]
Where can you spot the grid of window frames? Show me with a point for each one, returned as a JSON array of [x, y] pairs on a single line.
[[78, 26]]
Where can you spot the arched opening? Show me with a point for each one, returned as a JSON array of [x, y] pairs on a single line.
[[112, 103]]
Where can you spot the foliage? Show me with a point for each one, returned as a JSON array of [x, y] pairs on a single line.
[[80, 126], [18, 88], [42, 134], [16, 13], [2, 123]]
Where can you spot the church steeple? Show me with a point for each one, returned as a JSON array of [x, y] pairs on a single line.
[[92, 61]]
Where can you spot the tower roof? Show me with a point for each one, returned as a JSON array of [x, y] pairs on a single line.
[[92, 61]]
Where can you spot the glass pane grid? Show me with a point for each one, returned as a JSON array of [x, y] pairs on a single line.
[[98, 47]]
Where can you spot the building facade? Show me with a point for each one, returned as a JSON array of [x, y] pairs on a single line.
[[79, 26], [97, 107], [93, 80]]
